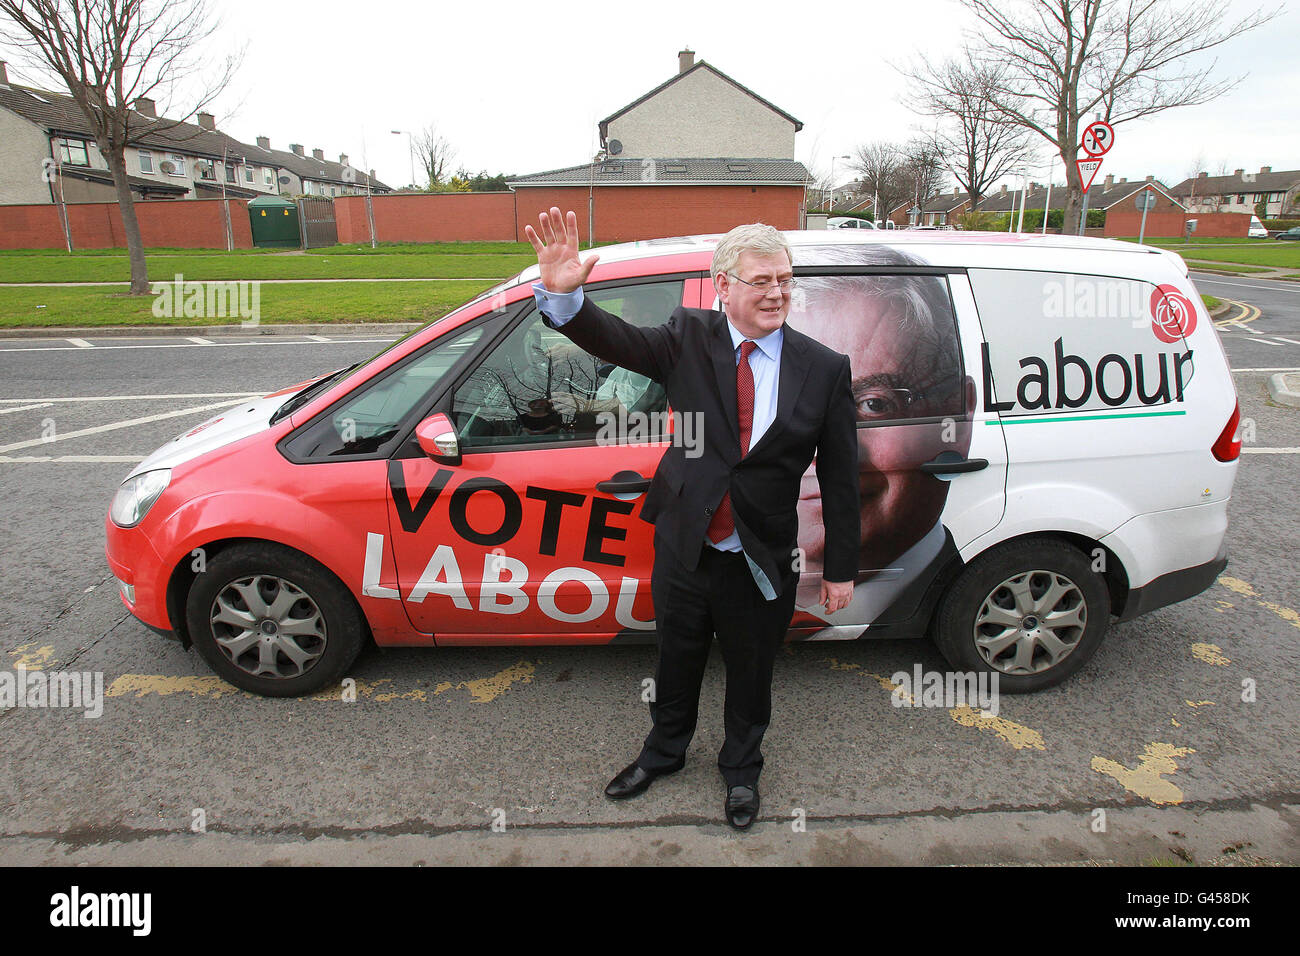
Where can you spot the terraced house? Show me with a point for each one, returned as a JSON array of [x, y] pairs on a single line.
[[48, 154], [1242, 192]]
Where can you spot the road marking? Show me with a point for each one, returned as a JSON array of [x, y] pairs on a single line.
[[116, 425], [1280, 339], [1271, 451], [1249, 313], [25, 408], [71, 459], [1266, 341], [1290, 615], [33, 660], [1283, 287], [199, 340], [1210, 654], [191, 345], [141, 398], [320, 338], [1147, 779], [1294, 369], [81, 343]]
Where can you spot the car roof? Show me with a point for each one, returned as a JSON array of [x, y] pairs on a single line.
[[694, 247]]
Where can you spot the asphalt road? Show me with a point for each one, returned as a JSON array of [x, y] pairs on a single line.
[[440, 744]]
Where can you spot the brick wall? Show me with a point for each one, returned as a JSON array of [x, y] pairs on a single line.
[[1219, 224], [625, 213], [178, 223], [428, 217]]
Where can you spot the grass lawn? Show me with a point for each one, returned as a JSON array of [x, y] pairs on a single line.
[[384, 248], [1255, 252], [1211, 303], [1222, 266], [341, 302], [226, 266]]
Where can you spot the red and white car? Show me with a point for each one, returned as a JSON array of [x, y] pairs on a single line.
[[479, 481]]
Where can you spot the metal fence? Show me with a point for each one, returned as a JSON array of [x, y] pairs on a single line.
[[316, 214]]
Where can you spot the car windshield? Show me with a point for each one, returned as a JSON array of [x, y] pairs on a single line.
[[300, 399]]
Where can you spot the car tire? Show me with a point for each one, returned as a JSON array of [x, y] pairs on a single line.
[[272, 621], [1031, 611]]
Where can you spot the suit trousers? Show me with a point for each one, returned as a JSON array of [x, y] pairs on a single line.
[[690, 606]]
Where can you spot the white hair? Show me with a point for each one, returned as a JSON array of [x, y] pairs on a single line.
[[755, 237]]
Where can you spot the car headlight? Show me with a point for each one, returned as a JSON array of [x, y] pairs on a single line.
[[136, 497]]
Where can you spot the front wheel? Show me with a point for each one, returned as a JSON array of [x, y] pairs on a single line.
[[271, 620], [1032, 612]]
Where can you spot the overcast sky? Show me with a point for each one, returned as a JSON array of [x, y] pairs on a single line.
[[518, 87]]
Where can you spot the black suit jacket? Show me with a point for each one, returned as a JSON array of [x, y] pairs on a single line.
[[693, 357]]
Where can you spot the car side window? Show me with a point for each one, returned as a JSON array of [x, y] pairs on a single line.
[[537, 387], [367, 421]]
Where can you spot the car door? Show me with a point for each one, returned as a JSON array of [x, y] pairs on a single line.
[[932, 462], [535, 535]]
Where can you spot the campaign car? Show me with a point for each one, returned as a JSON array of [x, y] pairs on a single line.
[[1047, 442]]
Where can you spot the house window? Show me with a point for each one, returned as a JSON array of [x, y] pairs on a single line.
[[1241, 199], [74, 153], [230, 172], [146, 161], [248, 174], [269, 177], [178, 164]]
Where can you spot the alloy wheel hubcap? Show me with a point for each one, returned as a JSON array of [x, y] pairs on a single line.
[[1030, 622], [268, 627]]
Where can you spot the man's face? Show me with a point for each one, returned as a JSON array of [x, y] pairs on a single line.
[[898, 377], [753, 312]]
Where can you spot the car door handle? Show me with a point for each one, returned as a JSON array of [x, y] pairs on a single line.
[[950, 463], [624, 483]]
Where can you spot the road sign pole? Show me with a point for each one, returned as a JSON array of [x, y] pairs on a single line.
[[1083, 216], [1142, 231]]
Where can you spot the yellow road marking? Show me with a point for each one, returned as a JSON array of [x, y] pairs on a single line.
[[32, 660], [1290, 615], [1147, 779], [1247, 314], [1199, 703], [1210, 654], [1238, 585]]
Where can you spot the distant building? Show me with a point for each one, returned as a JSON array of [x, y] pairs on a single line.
[[1240, 192]]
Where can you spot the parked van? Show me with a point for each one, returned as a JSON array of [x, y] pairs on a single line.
[[1047, 442], [1256, 230]]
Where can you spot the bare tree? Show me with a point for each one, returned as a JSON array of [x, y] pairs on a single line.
[[923, 171], [971, 138], [435, 154], [1118, 59], [882, 171], [110, 52]]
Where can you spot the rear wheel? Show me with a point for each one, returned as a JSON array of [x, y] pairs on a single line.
[[273, 621], [1032, 612]]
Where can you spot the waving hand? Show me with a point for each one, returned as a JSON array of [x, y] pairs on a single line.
[[557, 251]]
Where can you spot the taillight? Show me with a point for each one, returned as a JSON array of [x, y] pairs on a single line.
[[1227, 447]]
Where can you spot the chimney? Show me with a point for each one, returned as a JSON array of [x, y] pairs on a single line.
[[318, 154], [1004, 190], [1238, 172], [372, 174], [1123, 179], [296, 149], [1109, 181], [1202, 175], [4, 75], [1262, 169], [685, 60], [207, 121], [343, 159], [145, 107], [1149, 179], [264, 142]]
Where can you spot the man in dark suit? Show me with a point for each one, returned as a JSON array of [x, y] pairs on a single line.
[[768, 400]]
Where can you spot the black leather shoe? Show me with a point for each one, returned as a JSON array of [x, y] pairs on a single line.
[[742, 806], [634, 779]]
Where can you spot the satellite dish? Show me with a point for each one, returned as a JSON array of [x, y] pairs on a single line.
[[167, 166], [284, 180], [615, 147]]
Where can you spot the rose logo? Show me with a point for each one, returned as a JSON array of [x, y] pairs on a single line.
[[1173, 317]]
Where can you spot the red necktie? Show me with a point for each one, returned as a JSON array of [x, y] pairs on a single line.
[[723, 524]]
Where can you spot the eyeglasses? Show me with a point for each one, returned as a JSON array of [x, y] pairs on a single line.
[[767, 285], [876, 403]]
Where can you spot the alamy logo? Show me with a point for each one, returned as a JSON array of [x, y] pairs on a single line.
[[208, 300], [75, 908], [82, 690]]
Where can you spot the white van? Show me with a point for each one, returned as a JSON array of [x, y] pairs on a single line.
[[1256, 230], [1046, 433]]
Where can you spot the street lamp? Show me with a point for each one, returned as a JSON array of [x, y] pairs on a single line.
[[830, 205], [410, 151]]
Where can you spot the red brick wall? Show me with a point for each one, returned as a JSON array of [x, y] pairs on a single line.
[[177, 223], [624, 213], [428, 217], [1127, 222]]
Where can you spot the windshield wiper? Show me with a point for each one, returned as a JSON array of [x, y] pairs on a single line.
[[301, 399]]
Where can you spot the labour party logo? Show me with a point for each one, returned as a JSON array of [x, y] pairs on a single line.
[[1173, 317]]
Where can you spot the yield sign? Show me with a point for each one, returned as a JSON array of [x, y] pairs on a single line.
[[1087, 170]]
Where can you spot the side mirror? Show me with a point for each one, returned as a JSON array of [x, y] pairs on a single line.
[[437, 438]]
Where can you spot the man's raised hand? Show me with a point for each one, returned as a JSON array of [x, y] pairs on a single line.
[[556, 243]]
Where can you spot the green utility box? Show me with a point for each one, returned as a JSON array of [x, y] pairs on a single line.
[[275, 223]]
